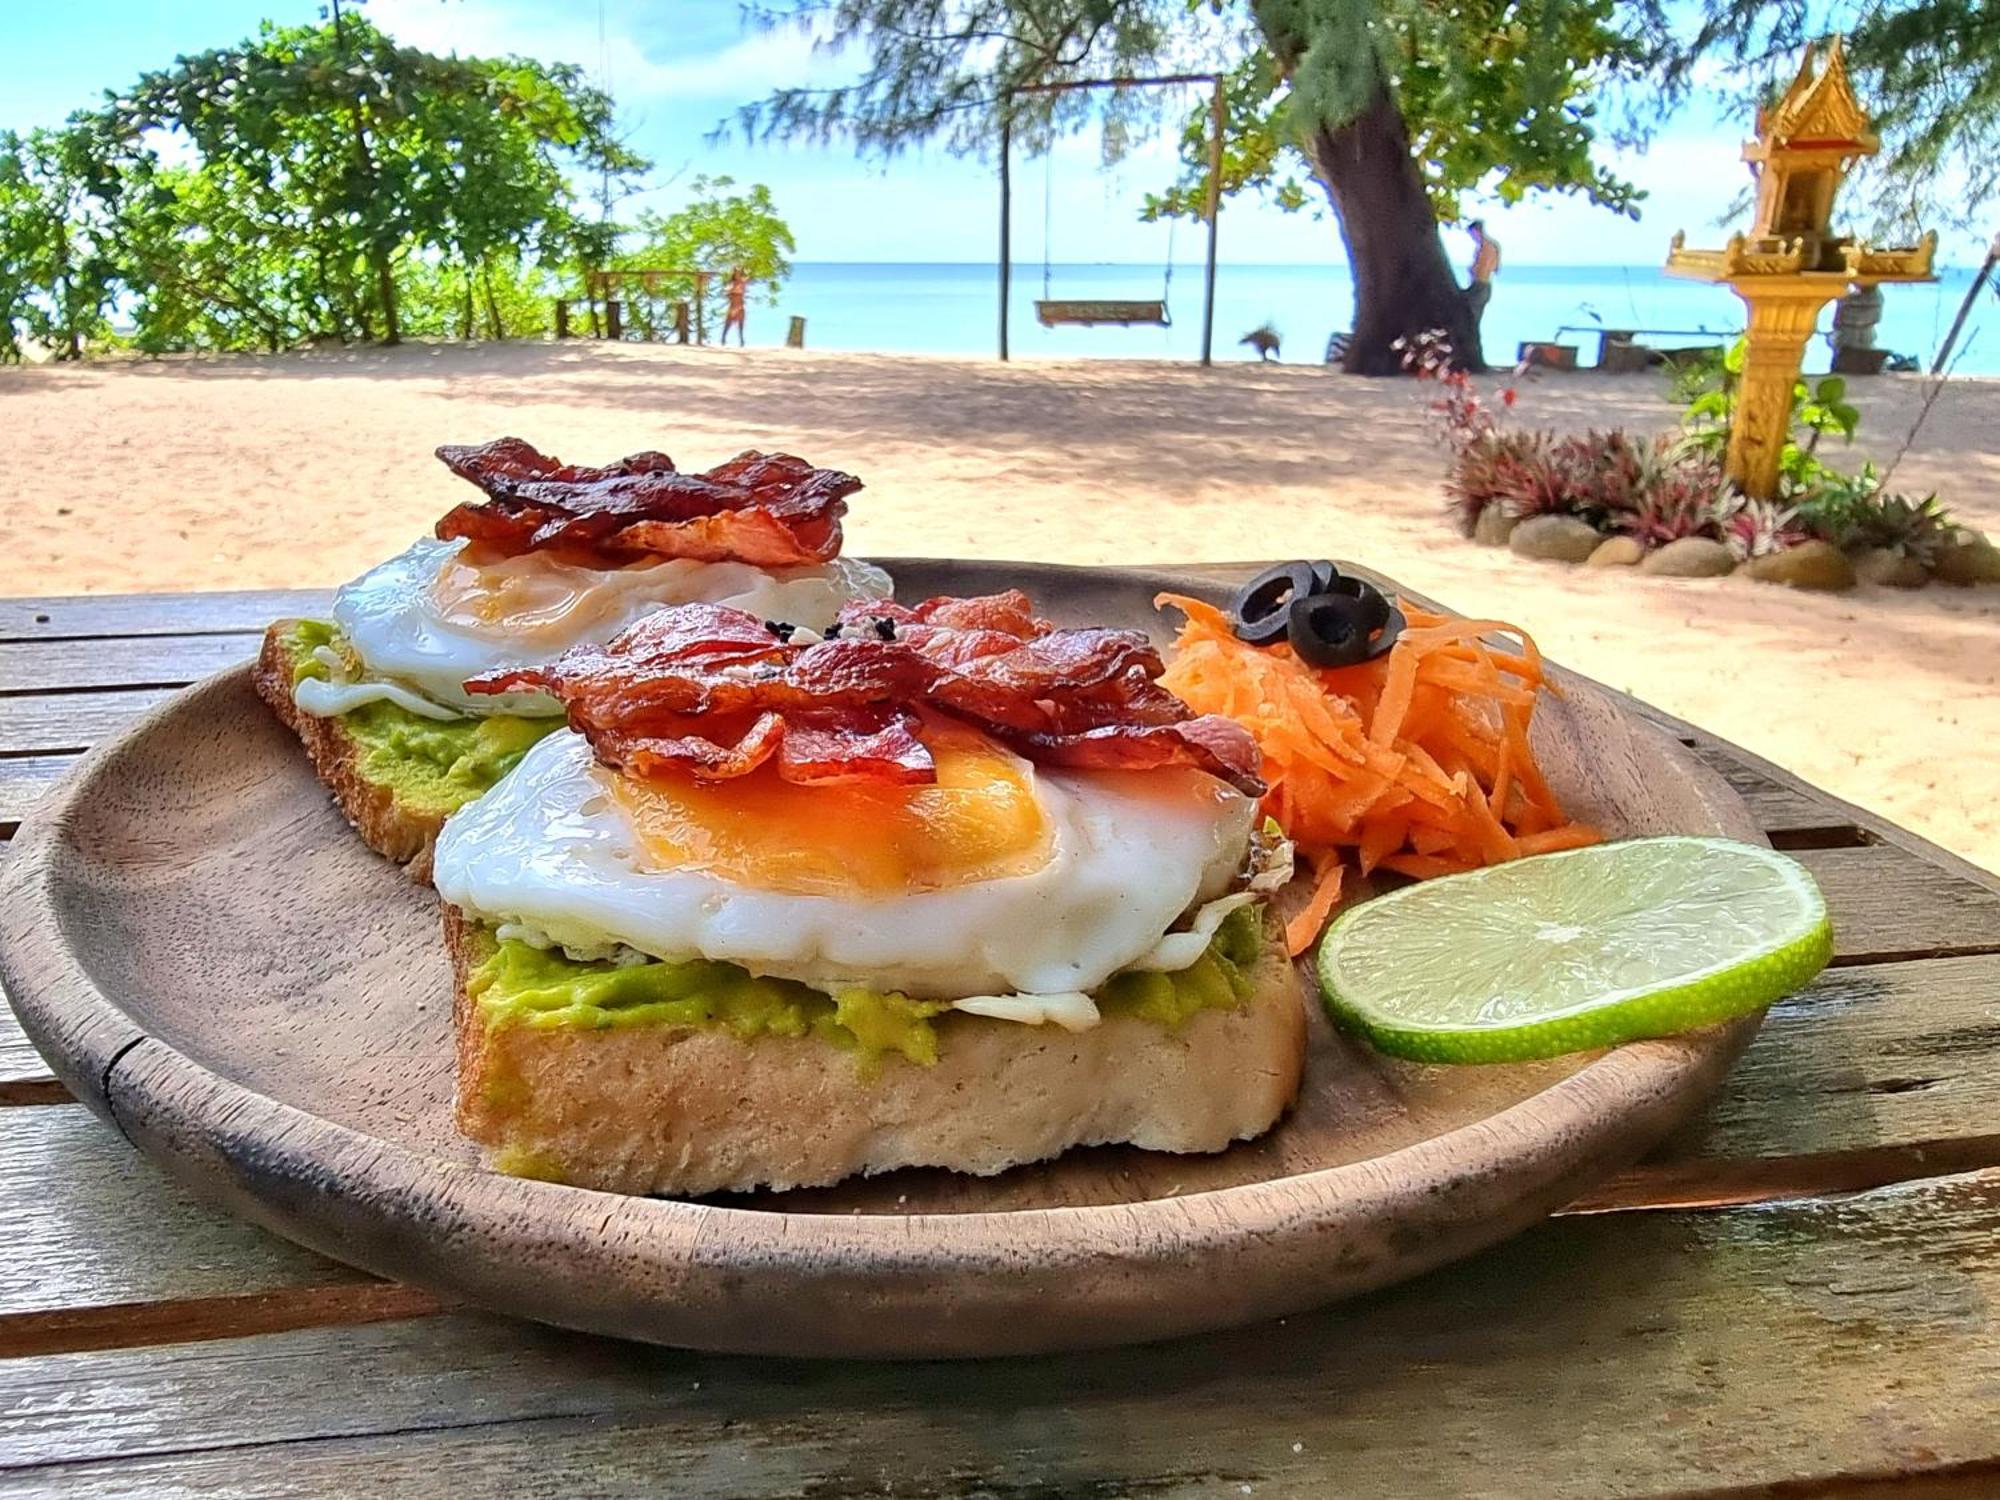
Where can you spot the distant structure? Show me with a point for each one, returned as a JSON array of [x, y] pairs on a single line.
[[1791, 263]]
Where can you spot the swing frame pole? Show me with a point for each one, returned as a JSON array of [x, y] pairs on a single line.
[[1214, 213], [1068, 85], [1006, 223]]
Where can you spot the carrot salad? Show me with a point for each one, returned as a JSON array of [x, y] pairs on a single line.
[[1417, 762]]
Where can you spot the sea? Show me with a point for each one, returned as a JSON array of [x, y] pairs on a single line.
[[954, 309]]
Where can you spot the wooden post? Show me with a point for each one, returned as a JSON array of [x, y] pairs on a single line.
[[562, 318], [1214, 213], [614, 318], [1006, 220], [795, 336], [701, 307]]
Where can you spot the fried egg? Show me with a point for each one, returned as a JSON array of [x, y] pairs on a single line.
[[427, 620], [1002, 878]]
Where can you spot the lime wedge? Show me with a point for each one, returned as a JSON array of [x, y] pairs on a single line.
[[1564, 952]]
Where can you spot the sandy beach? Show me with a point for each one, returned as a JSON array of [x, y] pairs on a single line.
[[305, 469]]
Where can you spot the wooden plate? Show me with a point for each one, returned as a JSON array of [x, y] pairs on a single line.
[[214, 964]]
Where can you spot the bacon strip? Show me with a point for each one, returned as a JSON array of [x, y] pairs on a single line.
[[711, 691], [765, 508]]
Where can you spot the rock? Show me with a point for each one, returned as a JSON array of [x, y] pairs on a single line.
[[1810, 565], [1690, 557], [1555, 538], [1616, 552], [1968, 562], [1890, 568], [1493, 527]]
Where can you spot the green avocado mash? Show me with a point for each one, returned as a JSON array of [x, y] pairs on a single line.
[[516, 984], [432, 765]]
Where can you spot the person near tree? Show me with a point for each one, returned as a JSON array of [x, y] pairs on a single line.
[[739, 290], [1485, 266]]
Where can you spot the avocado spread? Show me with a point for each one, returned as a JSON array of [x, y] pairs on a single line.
[[431, 765], [516, 984]]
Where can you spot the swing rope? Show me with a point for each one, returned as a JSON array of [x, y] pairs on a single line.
[[1048, 178]]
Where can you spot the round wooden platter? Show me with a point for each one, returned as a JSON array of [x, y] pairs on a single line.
[[213, 963]]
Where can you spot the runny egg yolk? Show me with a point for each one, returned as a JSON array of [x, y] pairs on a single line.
[[530, 596], [982, 819]]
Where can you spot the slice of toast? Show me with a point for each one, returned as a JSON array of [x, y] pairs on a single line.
[[386, 824], [683, 1111]]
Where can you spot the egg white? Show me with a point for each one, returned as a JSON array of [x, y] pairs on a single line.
[[550, 849], [391, 617]]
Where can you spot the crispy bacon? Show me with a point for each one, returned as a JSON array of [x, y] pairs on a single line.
[[713, 692], [765, 508]]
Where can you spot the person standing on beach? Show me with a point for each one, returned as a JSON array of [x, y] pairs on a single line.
[[1485, 266], [739, 289]]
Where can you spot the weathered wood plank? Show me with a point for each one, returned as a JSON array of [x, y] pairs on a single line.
[[84, 615], [1871, 823], [24, 1077], [1634, 1355], [1888, 903], [1879, 1073], [120, 661], [41, 723], [23, 779], [1780, 809], [101, 1250]]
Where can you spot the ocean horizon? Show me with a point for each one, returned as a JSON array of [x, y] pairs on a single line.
[[952, 307]]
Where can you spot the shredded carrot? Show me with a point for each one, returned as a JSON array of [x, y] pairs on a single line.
[[1310, 918], [1419, 762]]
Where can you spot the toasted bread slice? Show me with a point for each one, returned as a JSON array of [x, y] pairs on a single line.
[[386, 824], [683, 1111]]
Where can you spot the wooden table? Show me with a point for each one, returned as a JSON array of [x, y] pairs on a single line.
[[1802, 1291]]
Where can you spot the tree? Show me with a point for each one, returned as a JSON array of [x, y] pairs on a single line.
[[56, 277], [328, 159], [1929, 71], [717, 230], [1395, 106]]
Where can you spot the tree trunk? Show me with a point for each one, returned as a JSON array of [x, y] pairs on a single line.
[[1403, 285], [492, 303], [466, 316], [385, 286]]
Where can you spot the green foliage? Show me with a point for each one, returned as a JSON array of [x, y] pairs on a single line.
[[1928, 70], [717, 230], [1708, 387], [1497, 96], [56, 271], [1854, 511], [332, 175]]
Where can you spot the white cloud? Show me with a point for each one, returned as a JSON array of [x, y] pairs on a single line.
[[748, 66]]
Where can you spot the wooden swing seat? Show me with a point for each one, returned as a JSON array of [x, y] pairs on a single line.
[[1090, 313]]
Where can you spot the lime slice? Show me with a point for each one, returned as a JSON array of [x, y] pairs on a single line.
[[1564, 952]]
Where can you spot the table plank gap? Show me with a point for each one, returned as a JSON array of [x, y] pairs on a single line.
[[40, 724], [88, 1225], [92, 616], [120, 661]]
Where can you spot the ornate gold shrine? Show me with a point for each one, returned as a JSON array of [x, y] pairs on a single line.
[[1790, 264]]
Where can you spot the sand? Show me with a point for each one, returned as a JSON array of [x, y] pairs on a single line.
[[305, 469]]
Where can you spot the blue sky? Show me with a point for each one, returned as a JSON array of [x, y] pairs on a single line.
[[678, 66]]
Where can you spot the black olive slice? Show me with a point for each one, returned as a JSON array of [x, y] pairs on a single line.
[[1342, 630], [1257, 613], [1375, 608], [1326, 630], [1324, 574]]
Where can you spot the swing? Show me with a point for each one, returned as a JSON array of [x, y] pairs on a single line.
[[1088, 313]]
